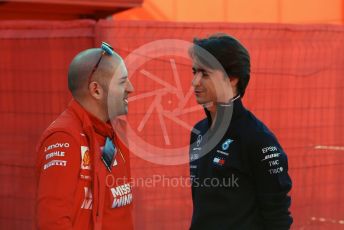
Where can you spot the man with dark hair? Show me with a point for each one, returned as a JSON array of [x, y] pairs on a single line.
[[83, 166], [238, 169]]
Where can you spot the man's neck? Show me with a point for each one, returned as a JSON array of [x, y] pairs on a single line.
[[213, 111], [212, 108], [94, 109]]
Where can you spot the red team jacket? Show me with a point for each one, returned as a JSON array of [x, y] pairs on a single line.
[[75, 189]]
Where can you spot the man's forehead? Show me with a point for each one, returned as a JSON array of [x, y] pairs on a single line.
[[199, 66], [111, 63], [121, 70]]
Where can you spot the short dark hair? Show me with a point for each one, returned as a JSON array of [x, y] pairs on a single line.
[[230, 53]]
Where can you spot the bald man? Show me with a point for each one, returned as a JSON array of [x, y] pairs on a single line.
[[83, 167]]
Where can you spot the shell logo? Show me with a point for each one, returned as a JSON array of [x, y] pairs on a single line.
[[86, 159]]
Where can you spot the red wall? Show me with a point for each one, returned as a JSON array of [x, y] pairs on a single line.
[[243, 11], [296, 89]]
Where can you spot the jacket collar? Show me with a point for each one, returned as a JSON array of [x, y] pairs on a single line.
[[90, 121], [235, 104]]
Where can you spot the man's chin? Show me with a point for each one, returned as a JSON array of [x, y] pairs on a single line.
[[201, 102], [124, 112]]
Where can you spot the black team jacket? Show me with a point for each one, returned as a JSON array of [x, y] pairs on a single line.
[[240, 176]]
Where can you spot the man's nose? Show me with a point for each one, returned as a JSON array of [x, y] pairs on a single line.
[[130, 87], [196, 79]]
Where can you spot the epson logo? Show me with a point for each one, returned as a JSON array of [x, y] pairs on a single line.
[[269, 149], [57, 145]]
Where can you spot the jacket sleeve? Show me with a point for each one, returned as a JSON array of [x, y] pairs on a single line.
[[58, 168], [272, 181]]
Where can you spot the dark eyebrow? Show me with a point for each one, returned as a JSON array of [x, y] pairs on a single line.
[[200, 70]]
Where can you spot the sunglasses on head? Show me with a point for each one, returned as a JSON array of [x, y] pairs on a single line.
[[106, 49]]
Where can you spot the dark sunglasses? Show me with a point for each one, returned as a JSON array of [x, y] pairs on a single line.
[[106, 49]]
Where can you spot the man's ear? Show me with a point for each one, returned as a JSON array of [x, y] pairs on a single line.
[[234, 81], [96, 90]]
